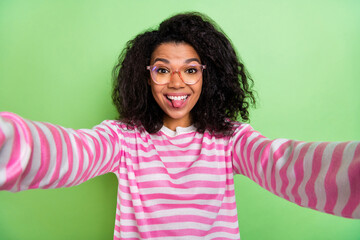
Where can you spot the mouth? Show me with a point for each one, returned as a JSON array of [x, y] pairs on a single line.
[[177, 98], [177, 101]]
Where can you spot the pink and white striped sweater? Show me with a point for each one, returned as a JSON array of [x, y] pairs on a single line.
[[179, 185]]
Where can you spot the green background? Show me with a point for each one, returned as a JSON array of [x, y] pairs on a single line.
[[56, 59]]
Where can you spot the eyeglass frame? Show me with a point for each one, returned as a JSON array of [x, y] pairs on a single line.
[[150, 67]]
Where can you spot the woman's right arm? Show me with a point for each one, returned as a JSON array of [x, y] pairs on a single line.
[[42, 155]]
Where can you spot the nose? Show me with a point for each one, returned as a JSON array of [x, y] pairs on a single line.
[[175, 80]]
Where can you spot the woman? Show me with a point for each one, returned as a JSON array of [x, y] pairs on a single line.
[[179, 90]]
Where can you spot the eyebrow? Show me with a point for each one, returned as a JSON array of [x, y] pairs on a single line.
[[167, 61], [191, 60], [161, 60]]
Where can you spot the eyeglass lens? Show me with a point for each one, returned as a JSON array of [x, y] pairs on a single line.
[[189, 74]]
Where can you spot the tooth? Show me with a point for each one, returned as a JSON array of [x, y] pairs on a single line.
[[177, 97]]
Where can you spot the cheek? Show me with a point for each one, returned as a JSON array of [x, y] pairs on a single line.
[[198, 92], [156, 92], [199, 88], [153, 91]]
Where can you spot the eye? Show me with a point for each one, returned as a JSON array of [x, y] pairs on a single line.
[[161, 70], [192, 70]]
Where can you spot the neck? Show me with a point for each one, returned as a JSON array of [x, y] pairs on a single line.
[[174, 123]]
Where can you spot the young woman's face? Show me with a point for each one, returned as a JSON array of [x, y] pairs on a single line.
[[176, 98]]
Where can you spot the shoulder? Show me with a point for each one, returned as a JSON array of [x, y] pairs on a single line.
[[125, 130], [119, 126], [240, 128]]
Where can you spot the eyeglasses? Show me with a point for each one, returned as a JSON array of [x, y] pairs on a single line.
[[189, 74]]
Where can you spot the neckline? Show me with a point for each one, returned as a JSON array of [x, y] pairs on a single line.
[[178, 131]]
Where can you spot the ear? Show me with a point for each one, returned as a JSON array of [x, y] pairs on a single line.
[[149, 81]]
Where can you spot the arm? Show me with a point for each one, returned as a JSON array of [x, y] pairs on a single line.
[[42, 155], [324, 176]]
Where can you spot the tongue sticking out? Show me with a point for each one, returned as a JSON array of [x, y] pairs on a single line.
[[177, 103]]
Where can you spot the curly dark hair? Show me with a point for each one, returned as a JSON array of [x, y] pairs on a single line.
[[226, 92]]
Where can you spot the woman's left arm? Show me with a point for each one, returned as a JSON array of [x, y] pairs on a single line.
[[324, 176]]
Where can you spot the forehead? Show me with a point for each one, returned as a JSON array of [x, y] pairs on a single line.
[[174, 52]]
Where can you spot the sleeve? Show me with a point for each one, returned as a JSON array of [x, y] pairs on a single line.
[[42, 155], [324, 176]]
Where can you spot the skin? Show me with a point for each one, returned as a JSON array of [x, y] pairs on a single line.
[[176, 55]]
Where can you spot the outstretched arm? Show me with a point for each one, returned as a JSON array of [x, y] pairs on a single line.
[[324, 176], [42, 155]]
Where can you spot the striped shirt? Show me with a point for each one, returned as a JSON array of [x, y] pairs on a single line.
[[179, 184]]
